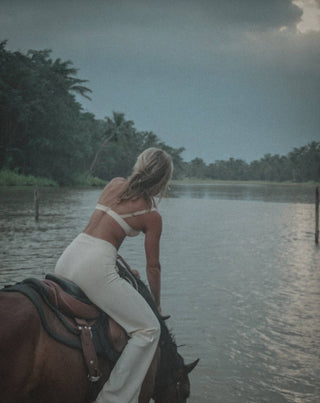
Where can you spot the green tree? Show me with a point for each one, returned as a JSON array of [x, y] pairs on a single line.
[[196, 168], [40, 118], [117, 148], [305, 162]]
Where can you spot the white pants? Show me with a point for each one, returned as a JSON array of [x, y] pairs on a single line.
[[91, 263]]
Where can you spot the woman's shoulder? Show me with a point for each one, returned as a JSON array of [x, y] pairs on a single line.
[[153, 214], [118, 179], [112, 188], [115, 182], [153, 222]]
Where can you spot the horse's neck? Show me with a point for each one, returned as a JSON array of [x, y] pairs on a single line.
[[170, 361]]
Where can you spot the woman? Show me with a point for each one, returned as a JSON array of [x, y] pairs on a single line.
[[125, 207]]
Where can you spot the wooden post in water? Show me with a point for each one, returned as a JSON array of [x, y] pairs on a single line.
[[317, 216], [36, 204]]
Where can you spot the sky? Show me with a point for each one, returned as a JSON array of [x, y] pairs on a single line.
[[221, 78]]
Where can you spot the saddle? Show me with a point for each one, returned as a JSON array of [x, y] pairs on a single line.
[[97, 333], [69, 299]]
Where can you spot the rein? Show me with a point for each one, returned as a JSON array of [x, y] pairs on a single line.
[[170, 365], [177, 388], [178, 392]]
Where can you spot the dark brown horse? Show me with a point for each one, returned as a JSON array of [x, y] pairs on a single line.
[[35, 368]]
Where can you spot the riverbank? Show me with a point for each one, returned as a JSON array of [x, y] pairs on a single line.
[[10, 178], [195, 181]]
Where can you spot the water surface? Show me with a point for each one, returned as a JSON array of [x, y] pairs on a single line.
[[241, 279]]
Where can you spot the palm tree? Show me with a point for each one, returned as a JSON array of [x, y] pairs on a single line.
[[117, 129]]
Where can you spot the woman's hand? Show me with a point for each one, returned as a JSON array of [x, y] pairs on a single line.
[[136, 273], [163, 317]]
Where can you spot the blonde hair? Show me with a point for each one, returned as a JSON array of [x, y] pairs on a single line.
[[150, 176]]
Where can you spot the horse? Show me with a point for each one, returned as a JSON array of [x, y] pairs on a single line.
[[36, 368]]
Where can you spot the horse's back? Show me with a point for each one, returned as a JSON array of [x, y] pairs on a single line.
[[18, 340], [18, 319], [33, 366]]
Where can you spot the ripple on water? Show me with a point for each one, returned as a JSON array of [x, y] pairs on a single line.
[[241, 281]]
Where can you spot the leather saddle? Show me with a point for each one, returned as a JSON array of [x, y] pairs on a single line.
[[89, 329], [72, 301], [96, 333]]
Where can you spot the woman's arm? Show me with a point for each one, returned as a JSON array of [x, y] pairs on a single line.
[[152, 246]]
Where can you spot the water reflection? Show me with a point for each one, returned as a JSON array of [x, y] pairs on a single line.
[[242, 191], [294, 323], [241, 280]]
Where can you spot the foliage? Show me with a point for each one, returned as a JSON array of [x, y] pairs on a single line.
[[40, 118], [44, 132], [9, 178], [88, 180], [120, 145], [300, 165]]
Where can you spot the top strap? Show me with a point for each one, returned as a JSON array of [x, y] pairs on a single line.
[[107, 209], [119, 219], [135, 213]]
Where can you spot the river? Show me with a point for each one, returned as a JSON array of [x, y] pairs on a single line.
[[240, 279]]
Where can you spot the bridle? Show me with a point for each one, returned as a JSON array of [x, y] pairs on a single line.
[[171, 378], [178, 392]]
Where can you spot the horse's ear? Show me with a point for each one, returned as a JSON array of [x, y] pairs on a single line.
[[165, 317], [190, 367]]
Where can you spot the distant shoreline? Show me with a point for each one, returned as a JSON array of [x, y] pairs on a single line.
[[191, 181], [9, 178]]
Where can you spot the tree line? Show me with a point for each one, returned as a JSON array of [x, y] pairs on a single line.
[[45, 132], [300, 165]]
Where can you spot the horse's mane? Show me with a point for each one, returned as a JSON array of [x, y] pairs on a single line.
[[170, 360], [167, 340]]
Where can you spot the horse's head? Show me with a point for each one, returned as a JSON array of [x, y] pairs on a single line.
[[172, 383], [174, 386]]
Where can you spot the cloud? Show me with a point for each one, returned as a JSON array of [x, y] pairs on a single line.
[[310, 19], [165, 31], [256, 15], [221, 69]]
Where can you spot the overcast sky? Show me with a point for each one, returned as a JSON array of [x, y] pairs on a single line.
[[222, 78]]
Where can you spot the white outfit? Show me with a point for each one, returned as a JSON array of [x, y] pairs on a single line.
[[91, 263], [120, 218]]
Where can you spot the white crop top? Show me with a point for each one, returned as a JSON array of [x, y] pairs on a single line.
[[129, 231]]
